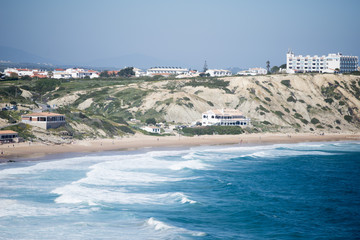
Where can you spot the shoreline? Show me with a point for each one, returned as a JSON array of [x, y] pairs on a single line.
[[26, 151]]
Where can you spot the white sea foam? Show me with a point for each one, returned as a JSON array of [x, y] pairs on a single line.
[[69, 163], [163, 227], [283, 153], [76, 193], [9, 207]]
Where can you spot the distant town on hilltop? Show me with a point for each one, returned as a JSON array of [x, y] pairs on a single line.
[[332, 63]]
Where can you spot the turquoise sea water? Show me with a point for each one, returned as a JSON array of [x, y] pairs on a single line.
[[284, 191]]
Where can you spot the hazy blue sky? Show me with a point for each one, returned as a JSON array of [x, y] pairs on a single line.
[[227, 33]]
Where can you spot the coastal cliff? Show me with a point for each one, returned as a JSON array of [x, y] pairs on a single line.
[[276, 103]]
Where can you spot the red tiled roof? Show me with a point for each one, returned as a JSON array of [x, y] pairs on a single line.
[[7, 132], [42, 114]]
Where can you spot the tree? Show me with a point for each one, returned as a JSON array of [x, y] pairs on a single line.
[[126, 72], [275, 69], [283, 66], [268, 66], [26, 77], [205, 67], [104, 74], [150, 121]]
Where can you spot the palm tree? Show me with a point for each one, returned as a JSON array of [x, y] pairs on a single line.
[[268, 66]]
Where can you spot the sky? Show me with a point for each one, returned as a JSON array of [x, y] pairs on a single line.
[[225, 33]]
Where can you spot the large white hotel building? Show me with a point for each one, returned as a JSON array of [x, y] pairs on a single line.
[[321, 64]]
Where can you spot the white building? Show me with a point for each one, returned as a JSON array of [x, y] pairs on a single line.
[[218, 72], [74, 73], [138, 72], [166, 71], [224, 117], [151, 129], [253, 72], [322, 64]]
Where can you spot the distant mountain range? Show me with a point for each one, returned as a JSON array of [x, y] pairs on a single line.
[[19, 56]]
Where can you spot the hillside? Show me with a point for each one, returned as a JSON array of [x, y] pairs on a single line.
[[276, 103]]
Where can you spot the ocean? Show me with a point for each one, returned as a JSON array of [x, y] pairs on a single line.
[[281, 191]]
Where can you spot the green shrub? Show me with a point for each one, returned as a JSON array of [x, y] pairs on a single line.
[[291, 99], [209, 130], [279, 113], [268, 99], [337, 121], [329, 100], [311, 129], [150, 121], [286, 83], [266, 122], [262, 113], [262, 109], [315, 121], [302, 101], [337, 127], [298, 115], [304, 121], [348, 118], [319, 126], [126, 129], [286, 110], [210, 103], [341, 103]]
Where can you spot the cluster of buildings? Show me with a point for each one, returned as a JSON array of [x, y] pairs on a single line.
[[184, 72], [332, 63], [56, 73]]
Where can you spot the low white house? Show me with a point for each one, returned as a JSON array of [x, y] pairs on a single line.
[[218, 72], [166, 71], [224, 117], [151, 129], [253, 72]]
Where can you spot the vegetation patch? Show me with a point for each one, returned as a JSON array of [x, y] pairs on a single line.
[[348, 118], [279, 113], [286, 83], [209, 83], [329, 100], [210, 103], [24, 130], [315, 121], [262, 109], [291, 99], [210, 130]]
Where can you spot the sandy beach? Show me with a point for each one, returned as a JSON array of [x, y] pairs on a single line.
[[31, 150]]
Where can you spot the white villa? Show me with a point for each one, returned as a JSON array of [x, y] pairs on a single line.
[[218, 72], [75, 73], [321, 64], [253, 72], [166, 71], [224, 117], [151, 129]]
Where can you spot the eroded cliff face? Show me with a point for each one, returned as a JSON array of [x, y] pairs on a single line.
[[275, 103], [283, 102]]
